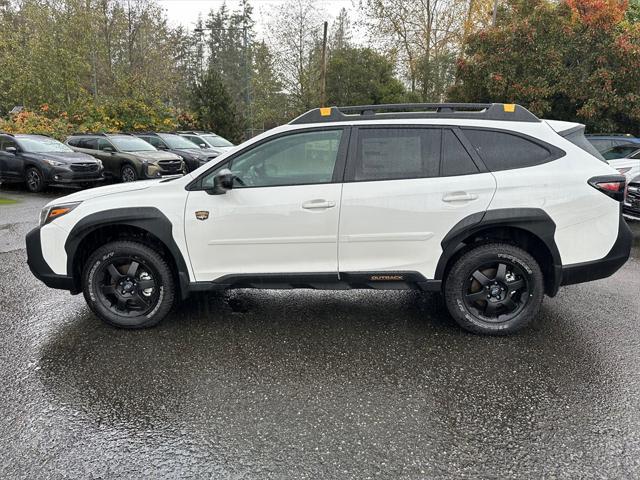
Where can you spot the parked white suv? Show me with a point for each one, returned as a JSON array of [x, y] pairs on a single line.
[[483, 202]]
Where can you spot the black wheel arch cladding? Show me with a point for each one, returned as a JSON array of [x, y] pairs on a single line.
[[533, 221], [148, 219]]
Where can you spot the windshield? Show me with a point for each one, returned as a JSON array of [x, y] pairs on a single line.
[[579, 140], [126, 143], [216, 141], [176, 141], [42, 145]]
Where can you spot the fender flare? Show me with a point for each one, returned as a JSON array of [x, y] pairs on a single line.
[[149, 219], [534, 221]]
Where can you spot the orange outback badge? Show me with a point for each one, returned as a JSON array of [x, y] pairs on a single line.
[[202, 214]]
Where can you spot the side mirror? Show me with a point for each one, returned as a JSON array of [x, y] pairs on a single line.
[[202, 145], [222, 182], [108, 149], [11, 150], [162, 147]]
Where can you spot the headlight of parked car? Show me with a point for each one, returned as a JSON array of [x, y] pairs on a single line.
[[49, 214], [53, 163]]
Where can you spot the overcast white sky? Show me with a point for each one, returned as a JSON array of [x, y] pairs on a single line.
[[186, 12]]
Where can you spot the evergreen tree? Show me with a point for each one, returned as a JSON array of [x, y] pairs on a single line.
[[214, 107]]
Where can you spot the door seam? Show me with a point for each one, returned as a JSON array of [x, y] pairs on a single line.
[[338, 233]]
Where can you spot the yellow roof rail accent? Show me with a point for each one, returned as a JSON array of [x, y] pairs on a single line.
[[325, 111], [509, 107]]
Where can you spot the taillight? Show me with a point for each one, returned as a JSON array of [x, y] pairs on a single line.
[[611, 185]]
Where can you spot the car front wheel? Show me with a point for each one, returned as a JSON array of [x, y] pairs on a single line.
[[128, 174], [128, 285], [494, 289], [34, 180]]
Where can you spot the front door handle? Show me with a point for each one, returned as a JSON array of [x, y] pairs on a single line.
[[459, 197], [318, 204]]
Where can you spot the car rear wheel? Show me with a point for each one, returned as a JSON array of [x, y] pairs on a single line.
[[34, 180], [128, 285], [494, 289], [128, 174]]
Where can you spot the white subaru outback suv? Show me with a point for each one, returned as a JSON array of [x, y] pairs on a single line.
[[485, 203]]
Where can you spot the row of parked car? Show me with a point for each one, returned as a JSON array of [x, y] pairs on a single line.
[[90, 158], [622, 152]]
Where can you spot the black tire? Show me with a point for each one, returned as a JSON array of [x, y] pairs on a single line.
[[494, 289], [34, 180], [128, 174], [114, 287]]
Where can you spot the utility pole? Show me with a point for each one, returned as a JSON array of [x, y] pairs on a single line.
[[495, 12], [323, 67]]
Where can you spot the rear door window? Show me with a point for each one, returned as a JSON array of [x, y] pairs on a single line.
[[455, 158], [89, 143], [395, 153], [504, 151]]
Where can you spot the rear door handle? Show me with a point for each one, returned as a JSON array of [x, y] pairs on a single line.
[[459, 197], [318, 204]]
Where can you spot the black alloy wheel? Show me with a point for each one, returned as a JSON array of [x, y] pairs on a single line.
[[497, 291], [34, 180], [127, 286]]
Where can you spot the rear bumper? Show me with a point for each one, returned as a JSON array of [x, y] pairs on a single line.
[[604, 267], [39, 266]]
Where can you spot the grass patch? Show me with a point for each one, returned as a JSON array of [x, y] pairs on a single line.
[[7, 201]]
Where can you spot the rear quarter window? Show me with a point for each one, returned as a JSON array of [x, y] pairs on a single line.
[[505, 151]]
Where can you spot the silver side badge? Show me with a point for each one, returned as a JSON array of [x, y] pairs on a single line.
[[202, 214]]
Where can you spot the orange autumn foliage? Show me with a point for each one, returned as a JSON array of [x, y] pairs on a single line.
[[599, 13]]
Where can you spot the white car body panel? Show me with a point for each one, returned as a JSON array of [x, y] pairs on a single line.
[[399, 224]]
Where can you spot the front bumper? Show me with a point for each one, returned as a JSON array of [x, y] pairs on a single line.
[[604, 267], [65, 175], [41, 269], [171, 167]]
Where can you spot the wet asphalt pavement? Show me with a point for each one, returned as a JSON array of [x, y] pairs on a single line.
[[306, 384]]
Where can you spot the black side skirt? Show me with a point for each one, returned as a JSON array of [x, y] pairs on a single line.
[[322, 281]]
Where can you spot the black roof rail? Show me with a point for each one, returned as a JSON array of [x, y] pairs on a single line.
[[628, 135], [477, 111], [194, 132], [7, 133]]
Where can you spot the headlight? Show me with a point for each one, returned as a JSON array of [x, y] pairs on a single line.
[[53, 163], [48, 214]]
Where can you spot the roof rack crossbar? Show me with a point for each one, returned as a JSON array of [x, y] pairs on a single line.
[[479, 111]]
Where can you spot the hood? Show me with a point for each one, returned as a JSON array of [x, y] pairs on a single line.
[[197, 153], [96, 192], [154, 156], [65, 157]]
